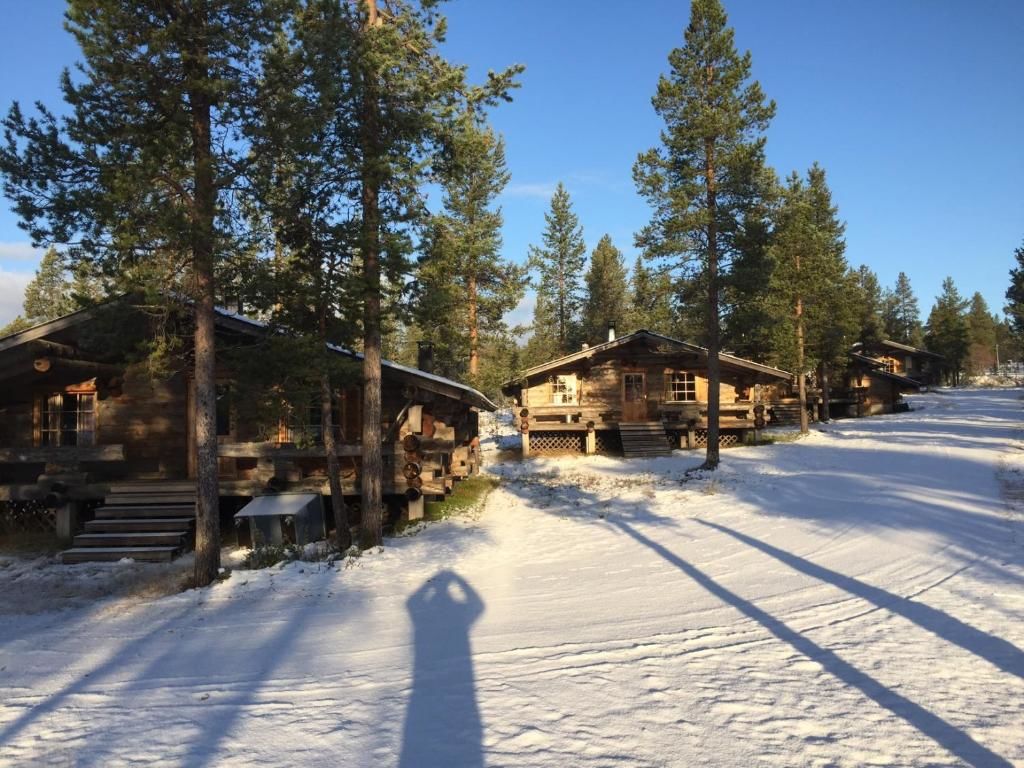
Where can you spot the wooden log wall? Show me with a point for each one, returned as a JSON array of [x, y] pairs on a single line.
[[149, 418], [599, 389]]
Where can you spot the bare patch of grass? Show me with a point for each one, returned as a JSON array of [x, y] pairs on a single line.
[[467, 496]]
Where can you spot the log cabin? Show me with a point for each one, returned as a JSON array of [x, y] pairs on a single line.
[[871, 388], [641, 395], [918, 365], [81, 428]]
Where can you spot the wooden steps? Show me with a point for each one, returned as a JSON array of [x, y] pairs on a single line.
[[151, 522], [113, 554], [785, 414], [113, 511], [644, 438], [130, 539], [141, 524]]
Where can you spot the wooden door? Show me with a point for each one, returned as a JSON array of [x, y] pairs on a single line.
[[634, 397]]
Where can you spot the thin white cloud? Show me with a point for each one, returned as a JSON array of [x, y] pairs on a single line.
[[522, 314], [12, 293], [541, 189], [19, 256]]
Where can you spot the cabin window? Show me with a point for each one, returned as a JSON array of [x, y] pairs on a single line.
[[682, 387], [68, 419], [889, 365], [305, 424], [563, 390]]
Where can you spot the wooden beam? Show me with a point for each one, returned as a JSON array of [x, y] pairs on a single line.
[[62, 454], [46, 347], [44, 364], [275, 450]]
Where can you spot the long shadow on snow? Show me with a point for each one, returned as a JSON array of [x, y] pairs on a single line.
[[114, 661], [831, 491], [995, 650], [215, 654], [442, 722], [942, 732], [199, 661], [947, 735], [974, 529]]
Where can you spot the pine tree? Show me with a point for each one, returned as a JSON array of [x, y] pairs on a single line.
[[1015, 294], [466, 287], [543, 343], [559, 268], [302, 153], [607, 292], [831, 309], [137, 172], [48, 294], [403, 94], [709, 170], [903, 318], [51, 294], [1009, 345], [867, 297], [807, 253], [750, 313], [650, 301], [982, 330], [947, 332]]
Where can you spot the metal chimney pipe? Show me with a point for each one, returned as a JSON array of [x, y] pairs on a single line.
[[611, 330], [425, 356]]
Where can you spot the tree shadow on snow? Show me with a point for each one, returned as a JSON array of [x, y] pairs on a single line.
[[997, 651], [442, 723], [942, 732], [216, 671]]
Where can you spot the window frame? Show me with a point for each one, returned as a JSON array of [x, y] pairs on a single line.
[[689, 383], [56, 436], [564, 389]]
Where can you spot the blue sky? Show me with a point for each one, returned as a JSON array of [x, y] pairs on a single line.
[[914, 107]]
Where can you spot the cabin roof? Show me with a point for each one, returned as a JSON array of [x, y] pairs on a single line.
[[583, 354], [874, 368], [903, 348], [878, 373], [227, 318], [870, 362], [430, 381]]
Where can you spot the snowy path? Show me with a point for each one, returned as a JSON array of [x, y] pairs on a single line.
[[855, 598]]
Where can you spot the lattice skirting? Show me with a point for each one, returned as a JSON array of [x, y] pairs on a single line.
[[27, 517], [608, 441], [725, 439], [556, 442]]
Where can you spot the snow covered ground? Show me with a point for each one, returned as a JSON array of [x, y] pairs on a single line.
[[853, 598]]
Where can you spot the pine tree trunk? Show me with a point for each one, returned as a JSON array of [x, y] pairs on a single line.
[[714, 371], [372, 470], [801, 377], [826, 394], [342, 535], [474, 331], [207, 554]]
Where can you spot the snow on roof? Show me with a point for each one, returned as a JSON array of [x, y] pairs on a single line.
[[475, 395]]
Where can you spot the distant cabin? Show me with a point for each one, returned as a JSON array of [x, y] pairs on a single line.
[[79, 422], [879, 374], [642, 394], [918, 365]]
